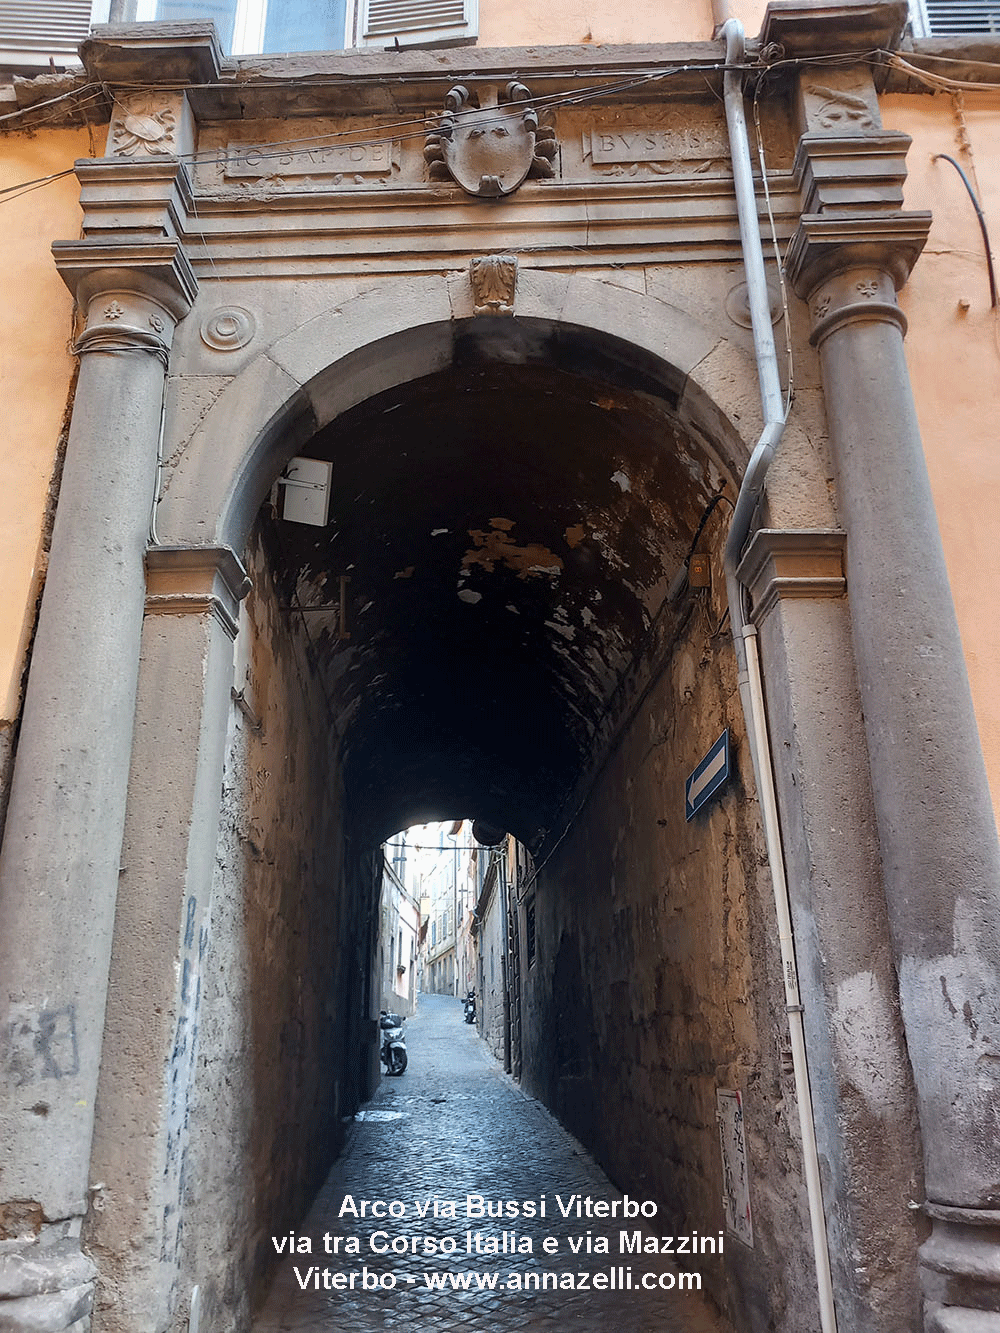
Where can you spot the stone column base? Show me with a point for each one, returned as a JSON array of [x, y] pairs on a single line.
[[960, 1270], [45, 1287]]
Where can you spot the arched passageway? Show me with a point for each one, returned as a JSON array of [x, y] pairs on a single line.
[[495, 623], [510, 533]]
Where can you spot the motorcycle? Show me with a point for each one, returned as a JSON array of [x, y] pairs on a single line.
[[393, 1048], [470, 1007]]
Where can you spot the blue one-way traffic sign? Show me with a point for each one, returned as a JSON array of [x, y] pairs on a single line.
[[708, 777]]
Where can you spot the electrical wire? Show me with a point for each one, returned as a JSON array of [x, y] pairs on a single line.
[[982, 224], [940, 81], [51, 101], [279, 148], [420, 126]]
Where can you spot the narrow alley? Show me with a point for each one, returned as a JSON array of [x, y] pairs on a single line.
[[452, 1126]]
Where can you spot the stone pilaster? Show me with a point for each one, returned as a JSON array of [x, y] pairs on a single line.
[[863, 1100], [60, 860], [940, 858], [161, 925]]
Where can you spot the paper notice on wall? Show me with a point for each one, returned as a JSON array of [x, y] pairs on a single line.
[[735, 1166]]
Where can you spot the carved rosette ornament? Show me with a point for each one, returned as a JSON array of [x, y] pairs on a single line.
[[494, 281], [490, 150]]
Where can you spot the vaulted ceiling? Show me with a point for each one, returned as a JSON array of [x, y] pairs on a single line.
[[510, 532]]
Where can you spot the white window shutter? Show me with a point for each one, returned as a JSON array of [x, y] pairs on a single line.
[[34, 31], [947, 18], [417, 22]]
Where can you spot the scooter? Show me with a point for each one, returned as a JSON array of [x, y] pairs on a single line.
[[470, 1007], [393, 1049]]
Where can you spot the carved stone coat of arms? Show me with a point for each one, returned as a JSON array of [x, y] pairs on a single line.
[[490, 150]]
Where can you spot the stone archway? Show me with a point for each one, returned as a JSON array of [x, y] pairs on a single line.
[[214, 486], [399, 331], [216, 480]]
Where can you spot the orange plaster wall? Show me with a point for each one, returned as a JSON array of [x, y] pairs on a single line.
[[954, 359], [35, 370], [568, 22]]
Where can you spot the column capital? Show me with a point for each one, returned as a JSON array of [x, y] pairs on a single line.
[[157, 269], [132, 294], [196, 580], [781, 562], [825, 245]]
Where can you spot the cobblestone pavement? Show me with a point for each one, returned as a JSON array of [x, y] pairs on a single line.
[[455, 1125]]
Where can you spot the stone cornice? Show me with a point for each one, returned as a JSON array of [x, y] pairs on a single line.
[[153, 53], [159, 270], [804, 29], [375, 80], [424, 227], [779, 563], [196, 580], [825, 245]]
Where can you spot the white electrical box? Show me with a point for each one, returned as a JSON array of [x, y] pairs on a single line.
[[305, 485]]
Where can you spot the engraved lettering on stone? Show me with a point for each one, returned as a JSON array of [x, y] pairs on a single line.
[[333, 162], [654, 146], [228, 328], [494, 281], [149, 132], [490, 150], [840, 110]]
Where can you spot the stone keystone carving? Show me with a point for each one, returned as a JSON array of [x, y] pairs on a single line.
[[490, 150], [494, 279]]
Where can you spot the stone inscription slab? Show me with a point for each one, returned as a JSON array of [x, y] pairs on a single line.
[[255, 161], [638, 143]]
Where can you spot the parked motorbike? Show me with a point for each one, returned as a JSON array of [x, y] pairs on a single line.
[[393, 1048], [470, 1007]]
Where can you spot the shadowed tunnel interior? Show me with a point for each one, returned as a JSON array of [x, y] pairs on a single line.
[[507, 534], [509, 528]]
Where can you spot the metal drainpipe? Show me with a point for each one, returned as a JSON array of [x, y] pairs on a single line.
[[745, 638]]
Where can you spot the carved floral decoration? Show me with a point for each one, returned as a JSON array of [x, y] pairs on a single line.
[[490, 150], [494, 281]]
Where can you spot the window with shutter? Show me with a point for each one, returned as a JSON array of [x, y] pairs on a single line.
[[417, 22], [33, 32], [954, 18]]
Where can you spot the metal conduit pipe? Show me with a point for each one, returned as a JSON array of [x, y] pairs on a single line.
[[745, 638]]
